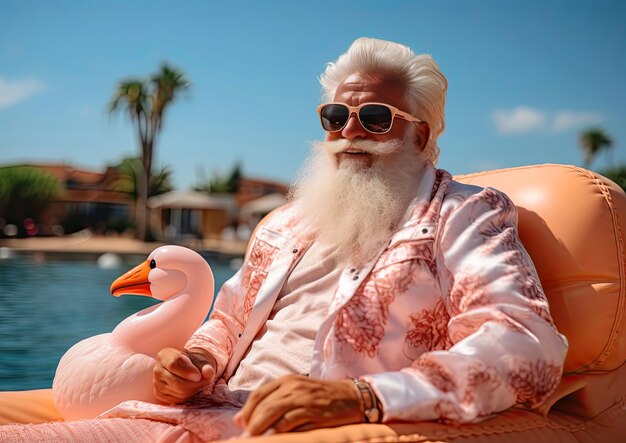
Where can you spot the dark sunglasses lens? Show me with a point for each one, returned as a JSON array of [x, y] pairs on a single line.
[[376, 118], [334, 117]]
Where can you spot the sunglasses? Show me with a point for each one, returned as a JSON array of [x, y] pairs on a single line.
[[376, 118]]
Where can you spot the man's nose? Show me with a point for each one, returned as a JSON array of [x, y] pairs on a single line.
[[353, 128]]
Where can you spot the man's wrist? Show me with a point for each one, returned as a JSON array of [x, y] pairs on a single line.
[[212, 361], [372, 412]]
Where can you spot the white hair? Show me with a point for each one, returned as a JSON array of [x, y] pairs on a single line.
[[426, 85]]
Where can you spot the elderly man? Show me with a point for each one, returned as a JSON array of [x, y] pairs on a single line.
[[384, 291]]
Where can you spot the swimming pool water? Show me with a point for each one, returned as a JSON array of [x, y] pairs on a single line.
[[49, 303]]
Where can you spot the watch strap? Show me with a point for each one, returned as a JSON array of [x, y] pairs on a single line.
[[371, 408]]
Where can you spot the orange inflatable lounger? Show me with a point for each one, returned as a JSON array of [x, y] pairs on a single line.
[[572, 222]]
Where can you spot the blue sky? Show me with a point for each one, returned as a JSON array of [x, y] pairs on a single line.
[[525, 78]]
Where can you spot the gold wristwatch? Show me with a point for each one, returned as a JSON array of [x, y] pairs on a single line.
[[371, 409]]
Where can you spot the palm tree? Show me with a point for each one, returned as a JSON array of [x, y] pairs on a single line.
[[219, 183], [145, 104], [129, 169], [592, 142]]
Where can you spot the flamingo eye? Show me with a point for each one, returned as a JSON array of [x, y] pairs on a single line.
[[152, 264]]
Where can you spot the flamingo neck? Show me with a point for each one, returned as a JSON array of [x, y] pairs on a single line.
[[167, 324]]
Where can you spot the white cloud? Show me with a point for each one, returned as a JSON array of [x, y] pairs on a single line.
[[16, 91], [525, 119], [564, 120], [518, 120]]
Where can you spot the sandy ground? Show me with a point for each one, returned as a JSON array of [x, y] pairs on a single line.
[[85, 242]]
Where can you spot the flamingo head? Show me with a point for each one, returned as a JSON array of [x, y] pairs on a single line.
[[164, 274]]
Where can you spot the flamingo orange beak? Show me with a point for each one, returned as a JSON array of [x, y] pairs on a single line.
[[134, 281]]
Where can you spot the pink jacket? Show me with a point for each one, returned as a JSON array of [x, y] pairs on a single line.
[[448, 322]]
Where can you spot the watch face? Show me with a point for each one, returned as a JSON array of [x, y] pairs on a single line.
[[373, 415]]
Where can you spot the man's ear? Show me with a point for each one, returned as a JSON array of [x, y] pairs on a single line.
[[422, 135]]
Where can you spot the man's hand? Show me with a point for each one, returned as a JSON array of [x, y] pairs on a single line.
[[179, 374], [298, 402]]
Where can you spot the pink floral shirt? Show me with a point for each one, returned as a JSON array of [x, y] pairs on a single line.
[[448, 322]]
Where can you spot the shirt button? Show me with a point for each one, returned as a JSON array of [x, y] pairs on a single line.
[[352, 270], [294, 251], [239, 335], [424, 231], [356, 277]]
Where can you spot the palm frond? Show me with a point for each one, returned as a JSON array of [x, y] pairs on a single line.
[[592, 142]]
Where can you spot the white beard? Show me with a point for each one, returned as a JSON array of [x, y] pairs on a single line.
[[354, 208]]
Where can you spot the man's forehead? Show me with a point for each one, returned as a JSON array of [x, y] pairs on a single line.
[[366, 81], [372, 87]]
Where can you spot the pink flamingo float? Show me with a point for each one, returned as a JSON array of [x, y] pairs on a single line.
[[102, 371]]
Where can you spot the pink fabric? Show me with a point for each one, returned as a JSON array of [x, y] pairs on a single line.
[[97, 431], [207, 418], [285, 343]]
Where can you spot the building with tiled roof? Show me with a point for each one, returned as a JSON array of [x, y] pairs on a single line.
[[91, 199], [88, 199]]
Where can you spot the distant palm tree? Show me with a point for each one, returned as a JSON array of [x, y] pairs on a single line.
[[129, 170], [145, 103], [219, 183], [592, 142]]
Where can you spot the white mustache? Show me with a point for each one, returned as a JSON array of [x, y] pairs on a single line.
[[369, 146]]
